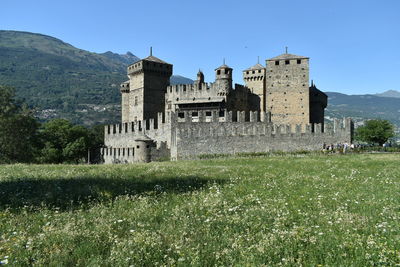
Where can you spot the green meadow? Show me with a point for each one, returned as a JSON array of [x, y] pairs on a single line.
[[284, 210]]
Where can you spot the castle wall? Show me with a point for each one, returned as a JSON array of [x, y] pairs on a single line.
[[191, 93], [238, 99], [194, 139], [120, 144], [184, 138]]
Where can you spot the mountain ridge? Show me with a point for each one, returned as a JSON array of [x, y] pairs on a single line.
[[389, 93], [362, 107], [63, 81]]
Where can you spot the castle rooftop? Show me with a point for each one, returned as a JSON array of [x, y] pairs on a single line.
[[155, 59], [258, 66], [287, 56], [223, 66]]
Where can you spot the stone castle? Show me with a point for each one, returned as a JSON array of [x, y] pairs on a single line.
[[276, 110]]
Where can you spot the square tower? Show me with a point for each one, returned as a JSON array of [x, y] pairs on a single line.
[[254, 79], [148, 81], [287, 89]]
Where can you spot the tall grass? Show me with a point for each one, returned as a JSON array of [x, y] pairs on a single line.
[[336, 210]]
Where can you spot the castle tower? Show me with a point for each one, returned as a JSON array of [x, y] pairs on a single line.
[[125, 92], [223, 79], [200, 77], [148, 81], [287, 89], [254, 79], [318, 103]]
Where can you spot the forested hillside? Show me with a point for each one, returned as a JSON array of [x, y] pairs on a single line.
[[60, 80], [361, 107]]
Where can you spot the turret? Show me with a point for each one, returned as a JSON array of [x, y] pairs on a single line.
[[223, 79], [200, 77], [143, 148], [125, 105]]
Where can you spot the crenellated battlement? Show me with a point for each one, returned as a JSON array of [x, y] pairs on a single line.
[[189, 89], [240, 122], [198, 129], [238, 132], [187, 134], [139, 126], [249, 123], [150, 64]]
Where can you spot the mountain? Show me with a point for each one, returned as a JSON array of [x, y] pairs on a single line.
[[177, 79], [362, 107], [389, 93], [66, 82], [63, 81], [126, 59]]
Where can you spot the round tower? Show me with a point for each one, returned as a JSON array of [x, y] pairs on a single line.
[[223, 79], [143, 149]]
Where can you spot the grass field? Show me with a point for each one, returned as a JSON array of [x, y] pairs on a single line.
[[322, 210]]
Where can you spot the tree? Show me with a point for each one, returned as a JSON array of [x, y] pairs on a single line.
[[375, 131], [19, 140], [23, 139], [64, 142], [96, 134]]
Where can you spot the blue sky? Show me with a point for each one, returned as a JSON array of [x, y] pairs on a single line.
[[353, 45]]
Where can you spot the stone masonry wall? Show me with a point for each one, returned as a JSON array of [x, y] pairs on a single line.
[[287, 91], [119, 139], [136, 97], [154, 94], [195, 93], [177, 137], [194, 139], [255, 81]]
